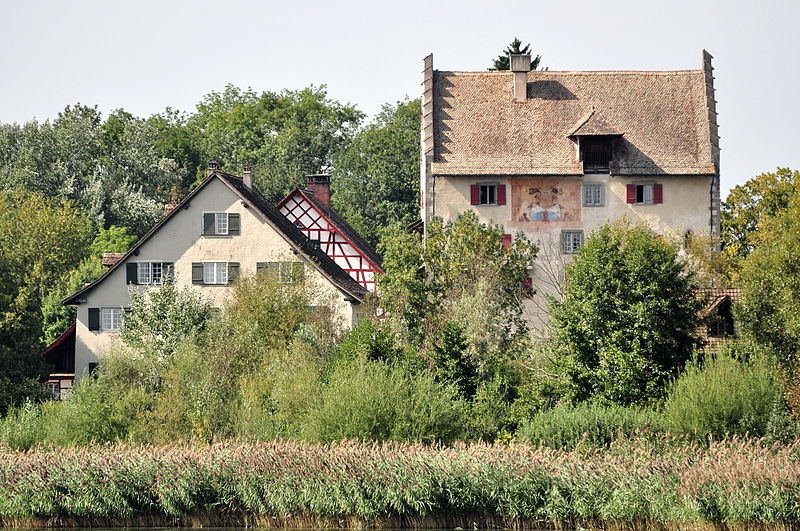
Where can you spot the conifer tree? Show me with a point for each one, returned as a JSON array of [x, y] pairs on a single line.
[[502, 62]]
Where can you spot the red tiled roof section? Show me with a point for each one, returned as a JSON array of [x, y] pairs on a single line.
[[480, 130], [109, 259]]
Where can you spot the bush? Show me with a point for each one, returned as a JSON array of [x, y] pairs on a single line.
[[723, 394], [380, 401], [567, 426], [22, 427]]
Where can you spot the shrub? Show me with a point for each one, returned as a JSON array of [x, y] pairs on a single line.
[[380, 401], [22, 427], [723, 394], [598, 424]]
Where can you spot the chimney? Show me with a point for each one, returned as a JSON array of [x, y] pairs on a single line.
[[320, 186], [168, 208], [247, 175], [213, 166], [520, 65]]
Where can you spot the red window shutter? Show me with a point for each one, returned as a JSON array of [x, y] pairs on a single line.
[[506, 241], [501, 194], [475, 194], [658, 193], [631, 194]]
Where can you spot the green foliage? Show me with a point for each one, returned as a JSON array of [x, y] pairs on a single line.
[[591, 423], [285, 135], [375, 179], [162, 317], [111, 240], [724, 394], [748, 204], [22, 427], [380, 401], [502, 61], [611, 338], [732, 483], [368, 340], [452, 363]]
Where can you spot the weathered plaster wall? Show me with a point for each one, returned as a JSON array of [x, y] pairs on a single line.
[[180, 241]]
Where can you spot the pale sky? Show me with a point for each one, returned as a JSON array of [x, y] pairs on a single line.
[[146, 55]]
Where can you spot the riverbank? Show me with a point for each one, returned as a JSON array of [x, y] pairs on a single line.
[[736, 484]]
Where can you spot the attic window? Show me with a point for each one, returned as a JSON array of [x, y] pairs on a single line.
[[596, 153]]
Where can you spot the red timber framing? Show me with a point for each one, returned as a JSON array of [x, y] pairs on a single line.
[[316, 224]]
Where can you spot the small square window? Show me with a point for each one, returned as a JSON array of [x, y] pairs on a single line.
[[571, 241], [221, 225], [592, 195], [149, 272], [488, 194], [215, 272], [110, 318], [644, 194]]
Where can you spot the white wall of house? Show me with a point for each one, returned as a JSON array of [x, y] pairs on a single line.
[[181, 242]]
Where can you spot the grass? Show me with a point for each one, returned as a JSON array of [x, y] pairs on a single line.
[[738, 481]]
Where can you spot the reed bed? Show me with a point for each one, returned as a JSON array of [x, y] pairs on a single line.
[[738, 483]]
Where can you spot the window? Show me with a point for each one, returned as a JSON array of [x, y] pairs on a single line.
[[220, 224], [150, 272], [645, 194], [592, 195], [285, 272], [110, 318], [596, 153], [488, 194], [571, 241], [215, 272], [54, 388]]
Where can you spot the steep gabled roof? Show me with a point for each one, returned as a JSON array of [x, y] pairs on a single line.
[[478, 128], [344, 227], [293, 236]]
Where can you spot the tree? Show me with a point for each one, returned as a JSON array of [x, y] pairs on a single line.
[[41, 241], [769, 311], [625, 326], [376, 178], [502, 61], [749, 204], [285, 135]]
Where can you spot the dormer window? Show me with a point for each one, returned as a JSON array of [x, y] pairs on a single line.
[[596, 153]]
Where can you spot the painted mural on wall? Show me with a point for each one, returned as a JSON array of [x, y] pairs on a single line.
[[545, 201]]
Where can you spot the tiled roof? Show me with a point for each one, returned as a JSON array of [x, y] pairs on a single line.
[[480, 130], [321, 261]]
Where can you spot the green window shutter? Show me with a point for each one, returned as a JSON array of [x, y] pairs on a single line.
[[297, 271], [197, 272], [233, 223], [261, 267], [233, 272], [94, 319], [132, 273], [168, 271], [209, 224]]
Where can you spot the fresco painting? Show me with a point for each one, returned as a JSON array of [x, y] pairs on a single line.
[[545, 201]]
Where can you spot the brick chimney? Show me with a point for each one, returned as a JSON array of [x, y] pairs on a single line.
[[168, 208], [320, 186], [247, 175], [109, 259], [520, 65]]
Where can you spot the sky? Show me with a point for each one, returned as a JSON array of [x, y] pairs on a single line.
[[147, 55]]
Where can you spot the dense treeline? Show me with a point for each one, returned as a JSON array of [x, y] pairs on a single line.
[[83, 184]]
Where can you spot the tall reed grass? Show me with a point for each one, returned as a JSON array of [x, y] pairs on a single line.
[[735, 481]]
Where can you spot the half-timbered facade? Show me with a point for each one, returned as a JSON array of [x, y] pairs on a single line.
[[310, 211]]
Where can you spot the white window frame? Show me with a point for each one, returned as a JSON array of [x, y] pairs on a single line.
[[111, 318], [597, 200], [146, 273], [571, 248], [487, 186], [647, 189], [220, 223], [215, 273]]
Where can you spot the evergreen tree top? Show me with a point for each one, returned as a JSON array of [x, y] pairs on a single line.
[[502, 61]]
